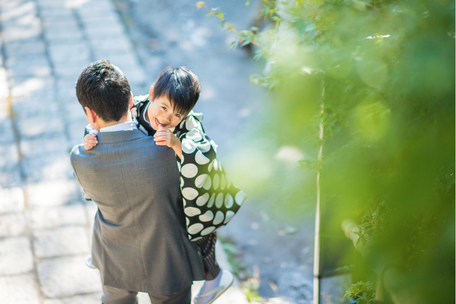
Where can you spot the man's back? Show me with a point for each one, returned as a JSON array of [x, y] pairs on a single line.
[[139, 239]]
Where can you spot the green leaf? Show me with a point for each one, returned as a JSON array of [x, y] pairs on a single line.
[[310, 27]]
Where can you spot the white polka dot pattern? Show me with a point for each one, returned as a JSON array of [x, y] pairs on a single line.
[[211, 199], [240, 198], [188, 146], [218, 217], [206, 217], [201, 159], [200, 201], [195, 135], [189, 170], [207, 230], [229, 216], [189, 193], [219, 200], [216, 182], [195, 228], [192, 211], [228, 201]]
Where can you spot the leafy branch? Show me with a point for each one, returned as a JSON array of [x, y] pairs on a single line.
[[244, 37]]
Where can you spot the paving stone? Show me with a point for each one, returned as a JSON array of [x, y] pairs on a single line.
[[96, 13], [55, 145], [66, 91], [26, 107], [139, 87], [53, 23], [107, 47], [67, 15], [86, 6], [11, 178], [60, 241], [63, 35], [38, 89], [56, 10], [9, 156], [69, 52], [15, 9], [52, 3], [47, 168], [61, 216], [101, 33], [70, 70], [40, 125], [295, 284], [25, 21], [16, 49], [74, 114], [53, 193], [22, 34], [94, 298], [4, 90], [15, 255], [6, 129], [11, 200], [31, 68], [20, 289], [77, 132], [9, 4], [12, 225], [102, 21], [137, 77], [67, 276]]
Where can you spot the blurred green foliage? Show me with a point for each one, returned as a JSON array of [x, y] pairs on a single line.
[[361, 293], [380, 77]]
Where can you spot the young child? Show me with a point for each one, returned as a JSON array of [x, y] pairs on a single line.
[[166, 113]]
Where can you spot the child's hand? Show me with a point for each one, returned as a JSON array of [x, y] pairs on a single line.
[[90, 141], [164, 137]]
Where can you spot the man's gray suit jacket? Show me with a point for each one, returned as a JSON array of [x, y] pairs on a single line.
[[139, 237]]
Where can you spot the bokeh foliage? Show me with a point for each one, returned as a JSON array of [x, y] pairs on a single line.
[[384, 73], [379, 75]]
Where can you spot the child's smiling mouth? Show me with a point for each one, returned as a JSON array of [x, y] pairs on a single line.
[[159, 124]]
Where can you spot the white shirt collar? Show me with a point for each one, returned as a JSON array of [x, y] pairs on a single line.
[[123, 126]]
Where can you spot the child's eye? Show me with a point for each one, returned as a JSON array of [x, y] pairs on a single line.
[[178, 115], [164, 108]]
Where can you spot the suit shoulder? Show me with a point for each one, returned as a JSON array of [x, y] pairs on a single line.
[[76, 152]]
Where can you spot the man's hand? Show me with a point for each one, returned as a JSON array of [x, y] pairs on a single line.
[[90, 141], [164, 137]]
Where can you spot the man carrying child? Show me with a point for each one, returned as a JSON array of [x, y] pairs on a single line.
[[140, 242]]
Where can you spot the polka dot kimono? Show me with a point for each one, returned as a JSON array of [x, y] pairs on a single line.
[[210, 198]]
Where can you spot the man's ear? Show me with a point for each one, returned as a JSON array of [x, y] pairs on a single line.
[[91, 117], [151, 92], [131, 100]]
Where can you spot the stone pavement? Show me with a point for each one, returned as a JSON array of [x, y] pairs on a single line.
[[45, 225]]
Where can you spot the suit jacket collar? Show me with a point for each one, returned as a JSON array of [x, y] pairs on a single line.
[[121, 136]]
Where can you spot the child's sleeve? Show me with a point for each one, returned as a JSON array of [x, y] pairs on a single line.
[[210, 198], [87, 130]]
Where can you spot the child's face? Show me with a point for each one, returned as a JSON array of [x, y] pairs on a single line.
[[161, 112]]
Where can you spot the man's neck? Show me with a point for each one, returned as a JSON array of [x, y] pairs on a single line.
[[125, 118]]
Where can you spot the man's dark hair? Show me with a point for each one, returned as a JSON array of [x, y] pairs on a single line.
[[104, 88], [180, 86]]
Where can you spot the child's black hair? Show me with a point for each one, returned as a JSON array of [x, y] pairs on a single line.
[[180, 86]]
